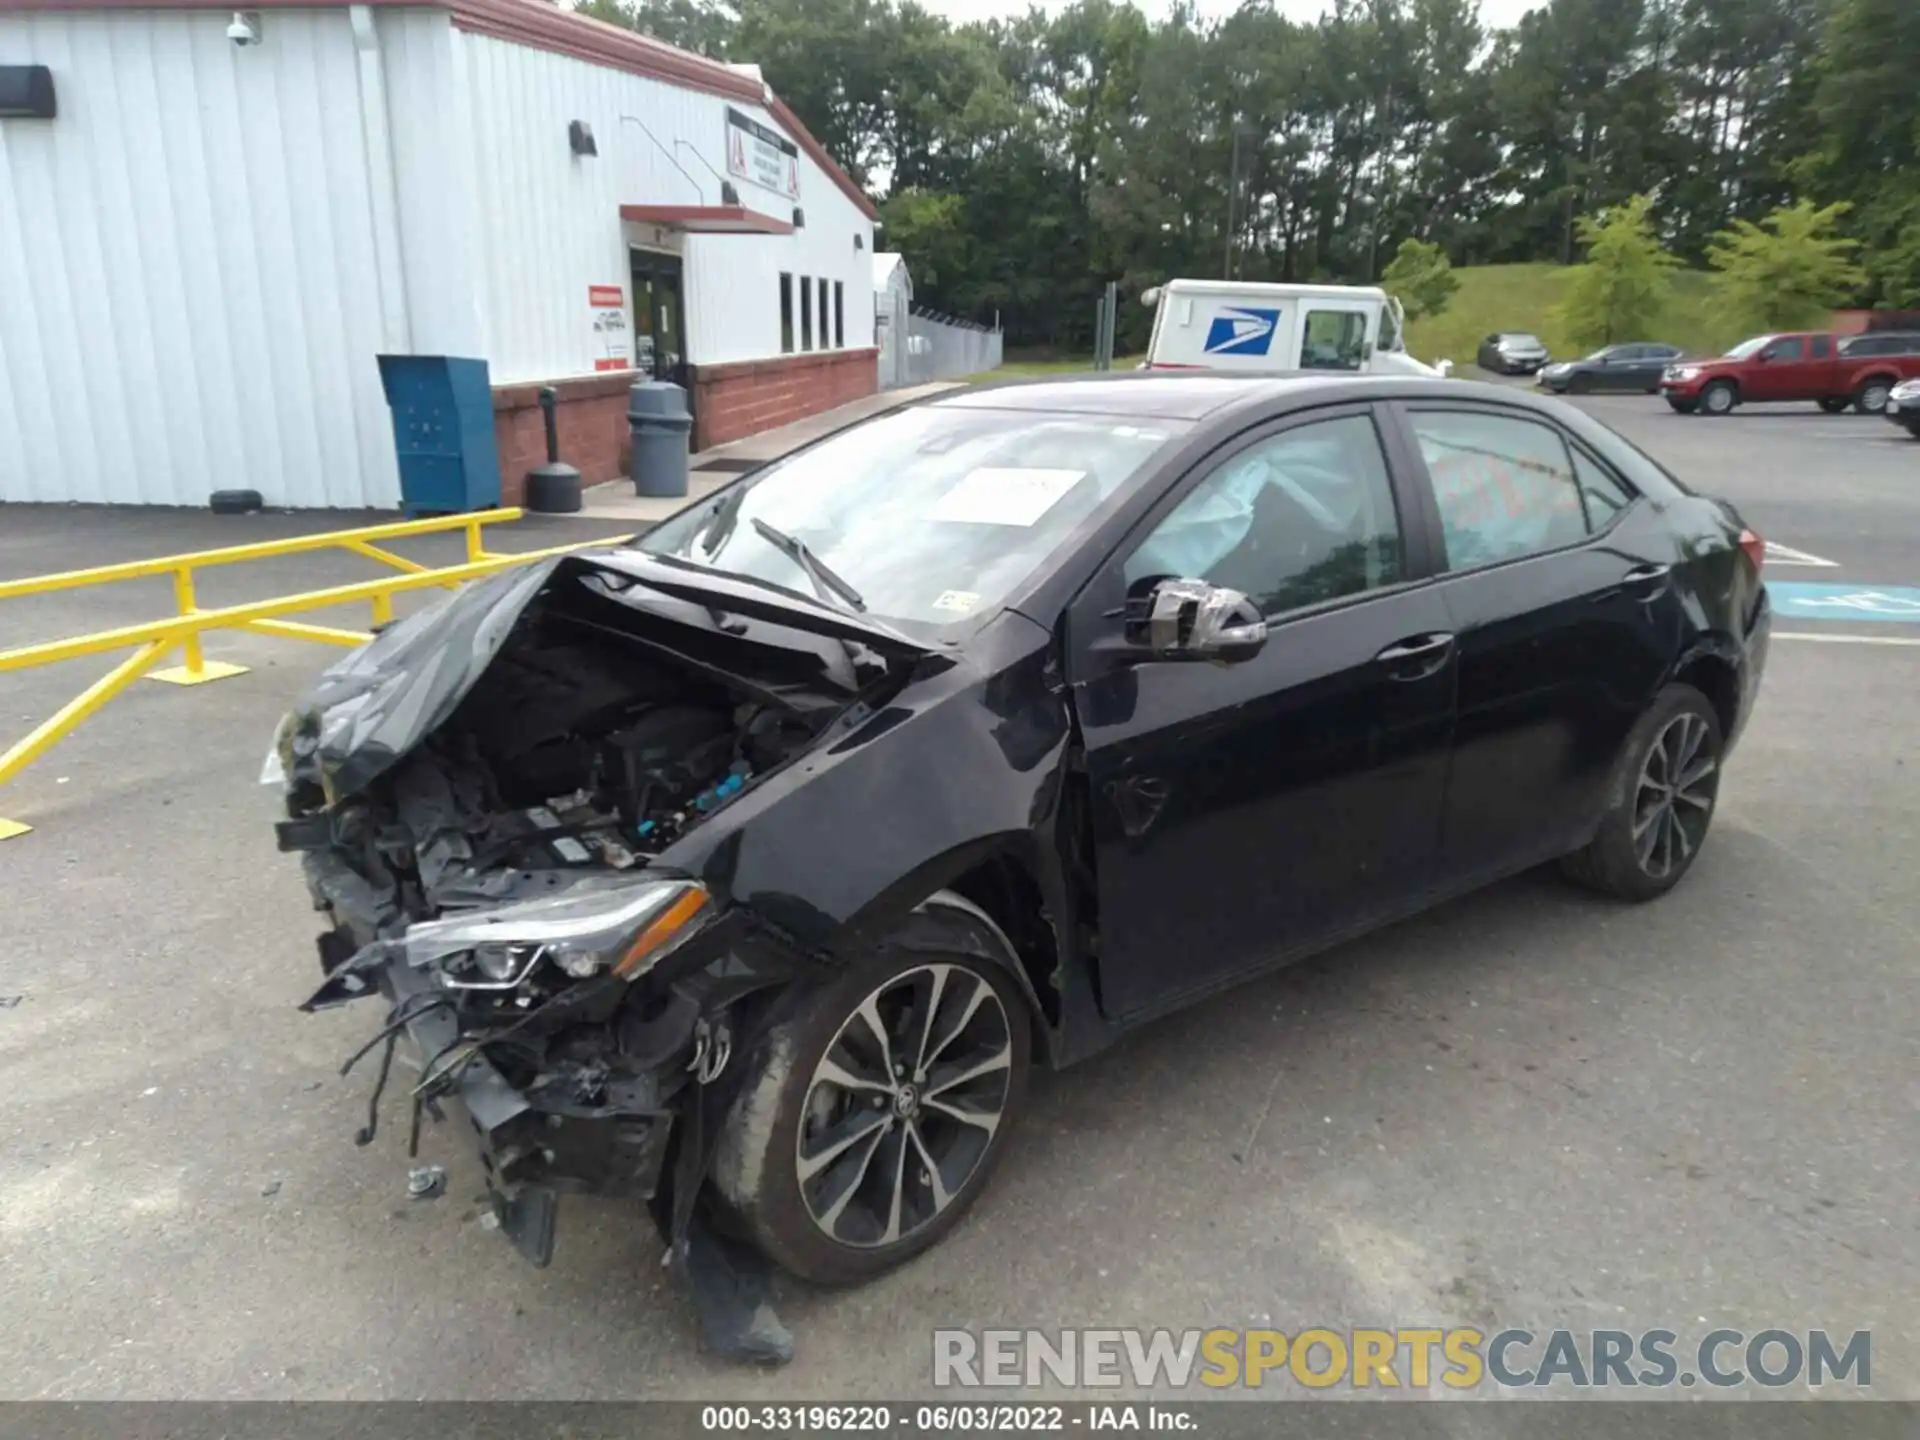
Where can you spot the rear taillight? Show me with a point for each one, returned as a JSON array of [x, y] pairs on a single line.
[[1754, 548]]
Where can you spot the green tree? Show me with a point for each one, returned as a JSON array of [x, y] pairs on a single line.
[[1620, 290], [1787, 271], [1422, 277], [1867, 106]]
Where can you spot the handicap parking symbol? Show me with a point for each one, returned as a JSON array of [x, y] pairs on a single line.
[[1845, 602]]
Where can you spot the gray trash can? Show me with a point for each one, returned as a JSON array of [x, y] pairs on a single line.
[[658, 419]]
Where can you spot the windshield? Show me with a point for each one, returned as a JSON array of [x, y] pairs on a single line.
[[929, 515], [1748, 347], [1521, 341]]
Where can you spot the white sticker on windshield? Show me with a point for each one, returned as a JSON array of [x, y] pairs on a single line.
[[962, 601], [1004, 496]]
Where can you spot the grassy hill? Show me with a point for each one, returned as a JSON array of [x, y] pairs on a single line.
[[1524, 297]]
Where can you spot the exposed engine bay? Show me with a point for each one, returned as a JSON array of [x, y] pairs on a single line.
[[569, 757], [587, 743]]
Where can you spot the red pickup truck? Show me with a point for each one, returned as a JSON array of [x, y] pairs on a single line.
[[1834, 371]]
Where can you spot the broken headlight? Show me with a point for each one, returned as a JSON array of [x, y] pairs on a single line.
[[625, 930]]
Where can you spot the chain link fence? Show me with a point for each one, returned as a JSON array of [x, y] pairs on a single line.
[[942, 348]]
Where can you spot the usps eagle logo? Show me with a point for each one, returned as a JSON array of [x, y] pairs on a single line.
[[1242, 332]]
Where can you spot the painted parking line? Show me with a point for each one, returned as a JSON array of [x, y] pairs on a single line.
[[1778, 554], [1899, 604], [1830, 637]]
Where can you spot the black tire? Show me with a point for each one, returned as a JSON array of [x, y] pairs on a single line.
[[1682, 407], [1871, 397], [1580, 385], [1719, 397], [1834, 404], [1618, 861], [787, 1101]]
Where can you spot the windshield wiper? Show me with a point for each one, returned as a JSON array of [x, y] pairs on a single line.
[[721, 520], [825, 582]]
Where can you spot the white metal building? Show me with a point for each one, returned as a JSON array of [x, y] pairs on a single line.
[[892, 307], [204, 249]]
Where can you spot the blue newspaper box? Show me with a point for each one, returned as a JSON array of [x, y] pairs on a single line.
[[442, 432]]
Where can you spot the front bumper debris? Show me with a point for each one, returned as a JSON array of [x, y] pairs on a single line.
[[534, 1144]]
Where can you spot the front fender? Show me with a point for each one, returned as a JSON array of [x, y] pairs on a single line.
[[850, 838]]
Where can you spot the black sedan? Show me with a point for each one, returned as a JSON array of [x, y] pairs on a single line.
[[747, 869], [1635, 367]]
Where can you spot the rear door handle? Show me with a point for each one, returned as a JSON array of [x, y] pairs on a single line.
[[1642, 582], [1417, 656]]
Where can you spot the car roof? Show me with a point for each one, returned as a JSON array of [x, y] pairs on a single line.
[[1204, 395]]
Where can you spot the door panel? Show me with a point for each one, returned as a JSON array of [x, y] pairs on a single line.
[[1786, 374], [1561, 639], [1243, 812]]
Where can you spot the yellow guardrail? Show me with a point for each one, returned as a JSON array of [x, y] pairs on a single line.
[[153, 641]]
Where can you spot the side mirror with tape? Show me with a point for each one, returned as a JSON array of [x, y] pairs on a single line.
[[1185, 619]]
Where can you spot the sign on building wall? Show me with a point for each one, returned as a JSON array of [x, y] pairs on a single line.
[[766, 157], [609, 343]]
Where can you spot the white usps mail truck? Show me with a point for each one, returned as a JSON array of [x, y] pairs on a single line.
[[1253, 327]]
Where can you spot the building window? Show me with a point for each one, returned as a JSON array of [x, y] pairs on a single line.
[[826, 335], [839, 316], [786, 313], [806, 313]]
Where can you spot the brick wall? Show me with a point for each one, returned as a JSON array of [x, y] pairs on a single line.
[[591, 417], [744, 398]]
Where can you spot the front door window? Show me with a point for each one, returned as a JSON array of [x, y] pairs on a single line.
[[1334, 340]]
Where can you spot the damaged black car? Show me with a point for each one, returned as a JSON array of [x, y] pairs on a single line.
[[744, 870]]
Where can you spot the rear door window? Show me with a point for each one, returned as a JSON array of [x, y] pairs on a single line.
[[1505, 486], [1822, 347]]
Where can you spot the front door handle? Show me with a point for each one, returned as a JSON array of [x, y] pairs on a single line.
[[1416, 657]]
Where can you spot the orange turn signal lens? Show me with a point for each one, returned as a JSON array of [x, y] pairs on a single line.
[[669, 925]]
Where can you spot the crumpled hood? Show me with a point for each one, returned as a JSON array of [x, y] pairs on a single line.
[[383, 699]]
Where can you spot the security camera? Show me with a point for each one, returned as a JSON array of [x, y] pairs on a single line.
[[244, 28]]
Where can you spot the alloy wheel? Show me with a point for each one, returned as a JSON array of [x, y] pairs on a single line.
[[1718, 399], [1674, 799], [904, 1105], [1873, 397]]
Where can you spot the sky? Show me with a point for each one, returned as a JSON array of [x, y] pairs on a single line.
[[1494, 14]]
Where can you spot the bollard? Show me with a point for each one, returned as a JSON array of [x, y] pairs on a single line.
[[552, 488], [658, 419]]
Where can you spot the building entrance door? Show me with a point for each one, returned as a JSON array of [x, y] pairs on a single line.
[[660, 319]]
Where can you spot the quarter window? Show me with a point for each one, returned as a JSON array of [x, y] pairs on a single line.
[[1601, 495], [1294, 520], [1505, 486]]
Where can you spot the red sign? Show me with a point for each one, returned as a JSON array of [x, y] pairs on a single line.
[[605, 296]]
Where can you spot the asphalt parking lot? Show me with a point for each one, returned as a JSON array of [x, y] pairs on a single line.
[[1528, 1108]]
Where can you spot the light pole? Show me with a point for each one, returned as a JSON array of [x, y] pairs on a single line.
[[1241, 131]]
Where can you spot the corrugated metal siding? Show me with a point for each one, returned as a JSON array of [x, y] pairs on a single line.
[[186, 254], [733, 281], [548, 223]]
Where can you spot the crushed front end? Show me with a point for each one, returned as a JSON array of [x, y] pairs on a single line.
[[487, 799]]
